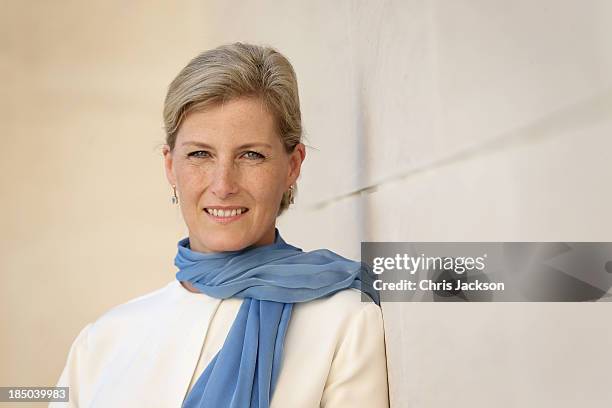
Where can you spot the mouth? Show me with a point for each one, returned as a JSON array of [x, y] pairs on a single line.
[[225, 215]]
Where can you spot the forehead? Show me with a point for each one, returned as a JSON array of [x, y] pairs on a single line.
[[236, 121]]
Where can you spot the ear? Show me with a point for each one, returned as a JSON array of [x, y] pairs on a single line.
[[168, 160], [295, 162]]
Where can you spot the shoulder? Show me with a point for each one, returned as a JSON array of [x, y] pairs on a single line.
[[103, 338], [140, 306], [345, 302], [131, 317], [338, 314]]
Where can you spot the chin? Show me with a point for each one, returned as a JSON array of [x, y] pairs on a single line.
[[228, 242]]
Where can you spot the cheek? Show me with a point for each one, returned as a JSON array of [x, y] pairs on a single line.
[[191, 179], [267, 188]]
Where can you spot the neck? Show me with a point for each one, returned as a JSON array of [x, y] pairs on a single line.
[[189, 287]]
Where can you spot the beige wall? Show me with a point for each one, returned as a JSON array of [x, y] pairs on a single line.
[[427, 120], [86, 217]]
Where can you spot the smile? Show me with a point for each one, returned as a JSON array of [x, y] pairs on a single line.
[[226, 215]]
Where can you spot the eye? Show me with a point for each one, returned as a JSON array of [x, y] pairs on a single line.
[[253, 155], [199, 153]]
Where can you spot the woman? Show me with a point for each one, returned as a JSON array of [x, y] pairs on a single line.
[[250, 321]]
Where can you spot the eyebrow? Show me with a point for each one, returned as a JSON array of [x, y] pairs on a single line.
[[207, 146]]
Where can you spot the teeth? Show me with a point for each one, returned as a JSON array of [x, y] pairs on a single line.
[[225, 213]]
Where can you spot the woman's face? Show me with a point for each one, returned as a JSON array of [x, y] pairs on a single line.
[[231, 169]]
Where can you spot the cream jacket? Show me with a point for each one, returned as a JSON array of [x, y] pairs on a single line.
[[150, 351]]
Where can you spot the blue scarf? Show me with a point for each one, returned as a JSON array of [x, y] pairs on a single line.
[[270, 278]]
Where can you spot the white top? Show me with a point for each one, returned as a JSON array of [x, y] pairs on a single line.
[[150, 351]]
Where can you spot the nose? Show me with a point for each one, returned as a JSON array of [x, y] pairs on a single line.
[[224, 183]]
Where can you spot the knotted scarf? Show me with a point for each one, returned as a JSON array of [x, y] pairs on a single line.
[[270, 278]]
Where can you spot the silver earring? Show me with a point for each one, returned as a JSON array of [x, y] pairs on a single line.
[[174, 196]]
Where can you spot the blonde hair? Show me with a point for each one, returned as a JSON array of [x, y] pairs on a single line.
[[232, 71]]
